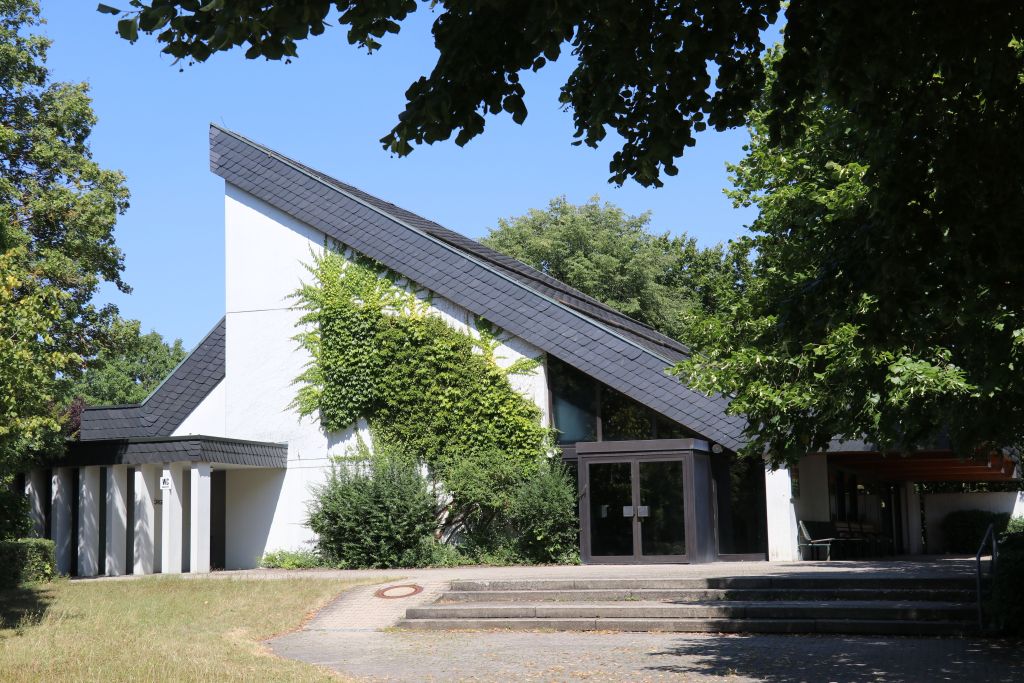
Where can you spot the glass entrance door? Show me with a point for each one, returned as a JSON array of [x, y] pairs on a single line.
[[634, 510], [610, 503], [662, 512]]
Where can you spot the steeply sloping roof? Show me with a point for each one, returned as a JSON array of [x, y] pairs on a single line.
[[168, 406], [612, 348]]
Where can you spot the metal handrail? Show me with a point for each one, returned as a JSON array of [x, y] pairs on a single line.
[[989, 537]]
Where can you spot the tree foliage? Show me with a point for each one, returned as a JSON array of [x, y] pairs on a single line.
[[128, 366], [901, 324], [892, 247], [654, 72], [57, 213], [662, 280]]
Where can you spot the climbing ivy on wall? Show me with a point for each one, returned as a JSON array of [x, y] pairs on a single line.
[[379, 353]]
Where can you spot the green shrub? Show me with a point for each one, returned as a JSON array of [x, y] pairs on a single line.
[[543, 517], [25, 560], [14, 518], [1008, 585], [291, 559], [964, 529], [538, 525], [435, 553], [374, 510], [1015, 526]]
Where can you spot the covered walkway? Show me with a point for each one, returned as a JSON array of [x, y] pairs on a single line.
[[141, 505]]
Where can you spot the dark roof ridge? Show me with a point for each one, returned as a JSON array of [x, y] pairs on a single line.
[[353, 194]]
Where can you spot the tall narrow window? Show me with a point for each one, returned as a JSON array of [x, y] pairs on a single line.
[[574, 403]]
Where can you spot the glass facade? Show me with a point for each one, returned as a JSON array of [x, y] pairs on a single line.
[[740, 505], [586, 410]]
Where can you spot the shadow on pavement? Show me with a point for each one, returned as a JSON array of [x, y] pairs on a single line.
[[796, 659]]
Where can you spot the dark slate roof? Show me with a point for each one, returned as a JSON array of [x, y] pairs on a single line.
[[529, 276], [608, 346], [191, 449], [166, 408]]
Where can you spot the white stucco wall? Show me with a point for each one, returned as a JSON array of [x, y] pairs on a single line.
[[265, 252], [813, 503], [938, 505], [208, 418]]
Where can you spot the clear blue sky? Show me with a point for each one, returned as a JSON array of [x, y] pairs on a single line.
[[328, 109]]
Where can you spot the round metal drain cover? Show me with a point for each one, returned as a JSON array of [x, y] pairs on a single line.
[[405, 590]]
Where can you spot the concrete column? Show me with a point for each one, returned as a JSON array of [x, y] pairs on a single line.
[[145, 540], [911, 519], [813, 502], [199, 527], [88, 521], [170, 527], [60, 516], [35, 489], [782, 527], [117, 520]]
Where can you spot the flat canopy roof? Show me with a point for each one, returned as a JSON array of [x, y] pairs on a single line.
[[925, 466], [162, 450]]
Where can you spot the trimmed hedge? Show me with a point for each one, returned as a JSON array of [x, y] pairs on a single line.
[[27, 559], [1008, 584], [964, 529]]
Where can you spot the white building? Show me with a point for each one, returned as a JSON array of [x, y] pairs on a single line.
[[214, 469]]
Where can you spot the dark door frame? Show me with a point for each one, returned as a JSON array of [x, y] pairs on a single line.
[[697, 499]]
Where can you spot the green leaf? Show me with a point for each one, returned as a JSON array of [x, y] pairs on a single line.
[[128, 29], [107, 9]]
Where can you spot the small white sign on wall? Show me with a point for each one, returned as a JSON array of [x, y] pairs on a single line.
[[165, 483]]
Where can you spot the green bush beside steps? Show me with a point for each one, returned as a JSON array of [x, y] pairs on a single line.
[[27, 560]]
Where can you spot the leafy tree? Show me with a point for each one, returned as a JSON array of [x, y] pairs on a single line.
[[657, 279], [857, 329], [896, 317], [128, 366], [645, 69], [57, 213]]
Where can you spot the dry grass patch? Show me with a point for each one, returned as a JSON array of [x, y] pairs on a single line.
[[157, 629]]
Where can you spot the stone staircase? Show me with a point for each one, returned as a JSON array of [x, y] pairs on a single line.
[[749, 604]]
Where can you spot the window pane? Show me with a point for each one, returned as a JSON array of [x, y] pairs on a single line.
[[742, 522], [573, 401], [611, 495], [663, 511], [623, 419]]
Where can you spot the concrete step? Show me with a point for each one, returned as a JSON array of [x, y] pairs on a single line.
[[708, 594], [867, 610], [860, 626], [736, 582]]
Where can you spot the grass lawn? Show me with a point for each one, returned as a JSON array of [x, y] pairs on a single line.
[[156, 629]]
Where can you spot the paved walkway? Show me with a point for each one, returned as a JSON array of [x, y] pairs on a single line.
[[535, 656], [352, 636]]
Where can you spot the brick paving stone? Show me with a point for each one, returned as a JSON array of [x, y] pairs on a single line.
[[574, 656]]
